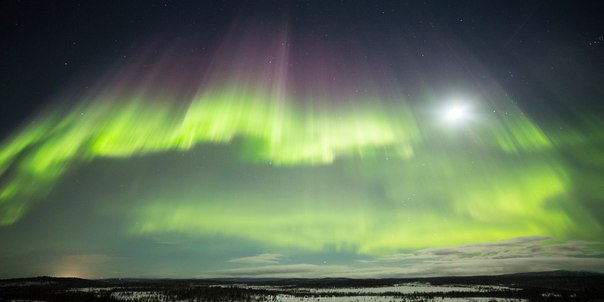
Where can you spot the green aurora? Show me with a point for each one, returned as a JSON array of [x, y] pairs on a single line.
[[499, 177]]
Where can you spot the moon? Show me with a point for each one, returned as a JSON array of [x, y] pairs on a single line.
[[456, 113]]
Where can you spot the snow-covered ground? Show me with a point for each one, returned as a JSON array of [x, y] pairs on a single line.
[[341, 294]]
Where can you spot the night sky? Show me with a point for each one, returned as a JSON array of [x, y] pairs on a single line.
[[300, 138]]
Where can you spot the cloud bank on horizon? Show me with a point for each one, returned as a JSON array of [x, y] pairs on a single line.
[[521, 254]]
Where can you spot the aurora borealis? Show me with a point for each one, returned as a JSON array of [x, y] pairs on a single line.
[[309, 140]]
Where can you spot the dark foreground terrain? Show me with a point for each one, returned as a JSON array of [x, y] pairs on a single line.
[[547, 286]]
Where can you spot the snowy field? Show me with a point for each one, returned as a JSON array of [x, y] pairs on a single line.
[[398, 292]]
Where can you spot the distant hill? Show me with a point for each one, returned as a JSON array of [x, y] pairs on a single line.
[[505, 278], [47, 280]]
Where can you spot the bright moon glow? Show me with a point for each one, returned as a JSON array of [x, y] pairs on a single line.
[[456, 113]]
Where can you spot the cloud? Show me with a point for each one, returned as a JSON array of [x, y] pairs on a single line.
[[259, 259], [520, 247], [522, 254], [422, 269]]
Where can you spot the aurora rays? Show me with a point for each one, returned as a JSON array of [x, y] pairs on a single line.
[[135, 128], [275, 140], [529, 171]]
